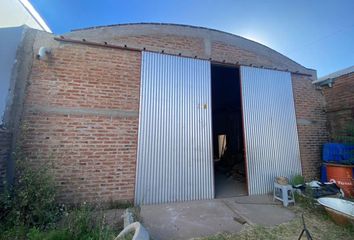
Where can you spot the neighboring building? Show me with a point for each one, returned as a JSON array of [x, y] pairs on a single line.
[[15, 13], [10, 39], [338, 89], [140, 112]]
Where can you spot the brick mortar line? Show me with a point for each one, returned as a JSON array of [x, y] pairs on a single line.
[[340, 109], [83, 111]]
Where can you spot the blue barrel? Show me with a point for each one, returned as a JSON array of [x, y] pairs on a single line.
[[337, 153], [323, 173]]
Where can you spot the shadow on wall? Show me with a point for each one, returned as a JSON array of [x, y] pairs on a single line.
[[14, 68]]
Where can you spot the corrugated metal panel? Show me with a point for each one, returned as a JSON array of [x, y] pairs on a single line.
[[175, 141], [272, 146]]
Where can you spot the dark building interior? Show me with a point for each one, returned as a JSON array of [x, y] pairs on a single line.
[[228, 154]]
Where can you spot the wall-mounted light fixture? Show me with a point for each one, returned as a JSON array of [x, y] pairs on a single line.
[[43, 53]]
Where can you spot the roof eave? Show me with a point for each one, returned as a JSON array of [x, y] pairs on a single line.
[[329, 82]]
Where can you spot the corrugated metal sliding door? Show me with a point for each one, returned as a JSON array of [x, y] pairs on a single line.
[[272, 146], [174, 159]]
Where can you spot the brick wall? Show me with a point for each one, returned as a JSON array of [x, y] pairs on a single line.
[[340, 103], [82, 106], [171, 43], [311, 123], [82, 116], [230, 53]]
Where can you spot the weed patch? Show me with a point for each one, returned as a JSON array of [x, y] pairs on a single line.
[[29, 208], [317, 222]]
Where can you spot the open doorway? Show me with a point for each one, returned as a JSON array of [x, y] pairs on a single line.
[[228, 141]]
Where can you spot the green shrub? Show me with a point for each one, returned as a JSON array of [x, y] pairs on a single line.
[[28, 208], [296, 180], [30, 201], [306, 200], [85, 222], [14, 232], [119, 204], [80, 223], [55, 234]]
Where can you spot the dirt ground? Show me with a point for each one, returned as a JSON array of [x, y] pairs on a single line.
[[317, 221]]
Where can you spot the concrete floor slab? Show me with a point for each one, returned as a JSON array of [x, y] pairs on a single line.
[[228, 187], [264, 214], [188, 219], [203, 218], [256, 199]]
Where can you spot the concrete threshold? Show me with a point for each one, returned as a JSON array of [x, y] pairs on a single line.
[[193, 219]]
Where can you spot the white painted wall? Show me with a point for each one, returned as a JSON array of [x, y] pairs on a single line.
[[10, 39], [14, 13]]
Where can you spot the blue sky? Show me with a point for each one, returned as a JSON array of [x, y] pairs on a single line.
[[318, 34]]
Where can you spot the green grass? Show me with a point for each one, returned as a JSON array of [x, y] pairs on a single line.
[[82, 223], [119, 205]]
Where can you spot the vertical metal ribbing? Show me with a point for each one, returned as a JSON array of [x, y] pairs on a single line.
[[174, 161], [272, 146]]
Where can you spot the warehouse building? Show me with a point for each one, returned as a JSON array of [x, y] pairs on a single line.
[[338, 89], [161, 113]]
